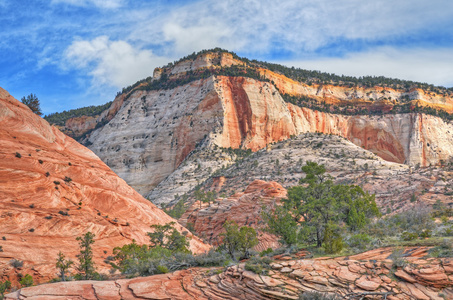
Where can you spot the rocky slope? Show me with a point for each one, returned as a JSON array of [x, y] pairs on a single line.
[[248, 183], [370, 275], [227, 172], [52, 190], [206, 220]]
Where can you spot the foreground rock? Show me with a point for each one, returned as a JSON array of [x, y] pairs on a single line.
[[52, 189], [369, 274]]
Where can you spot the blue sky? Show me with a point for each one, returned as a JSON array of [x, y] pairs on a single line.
[[74, 53]]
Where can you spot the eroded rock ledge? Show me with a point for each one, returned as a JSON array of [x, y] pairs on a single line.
[[370, 273]]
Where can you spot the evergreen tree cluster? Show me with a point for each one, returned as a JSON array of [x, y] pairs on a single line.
[[61, 118], [315, 211]]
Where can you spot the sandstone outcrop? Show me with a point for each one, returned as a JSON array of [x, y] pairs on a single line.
[[52, 190], [375, 97], [207, 220], [369, 275]]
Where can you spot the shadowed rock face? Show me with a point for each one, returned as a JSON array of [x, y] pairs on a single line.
[[370, 272], [154, 131], [52, 189]]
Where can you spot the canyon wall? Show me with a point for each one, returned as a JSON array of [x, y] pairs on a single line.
[[152, 132]]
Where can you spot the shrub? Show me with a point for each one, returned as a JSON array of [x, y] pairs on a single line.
[[64, 213], [445, 249], [48, 217], [266, 252], [360, 241], [16, 263], [27, 280], [40, 161], [408, 236], [4, 286], [144, 260], [425, 233], [177, 210], [238, 239], [161, 269], [47, 174], [333, 242], [397, 258], [18, 155], [67, 179], [56, 182], [258, 265]]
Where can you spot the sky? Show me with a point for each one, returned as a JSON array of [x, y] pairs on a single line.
[[75, 53]]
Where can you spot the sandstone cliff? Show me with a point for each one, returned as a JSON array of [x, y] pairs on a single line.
[[154, 131], [370, 275], [52, 189]]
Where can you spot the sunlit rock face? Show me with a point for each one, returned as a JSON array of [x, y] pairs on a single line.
[[152, 132], [52, 190]]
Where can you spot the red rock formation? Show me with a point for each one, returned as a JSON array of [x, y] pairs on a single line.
[[52, 189], [208, 221], [345, 277], [375, 98]]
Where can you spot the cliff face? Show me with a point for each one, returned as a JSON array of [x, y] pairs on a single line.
[[255, 115], [378, 97], [152, 132], [52, 190]]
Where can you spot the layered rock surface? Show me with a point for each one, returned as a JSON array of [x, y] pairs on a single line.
[[370, 275], [52, 190]]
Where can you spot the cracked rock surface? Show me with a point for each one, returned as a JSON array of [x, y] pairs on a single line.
[[369, 274]]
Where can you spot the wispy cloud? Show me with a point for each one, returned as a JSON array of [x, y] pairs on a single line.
[[299, 26], [410, 64], [114, 63], [113, 43], [98, 3]]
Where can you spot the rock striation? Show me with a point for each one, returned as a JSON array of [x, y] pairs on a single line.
[[52, 190], [370, 275]]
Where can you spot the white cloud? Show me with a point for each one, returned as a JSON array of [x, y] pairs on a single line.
[[257, 28], [114, 63], [434, 66], [98, 3], [258, 25]]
